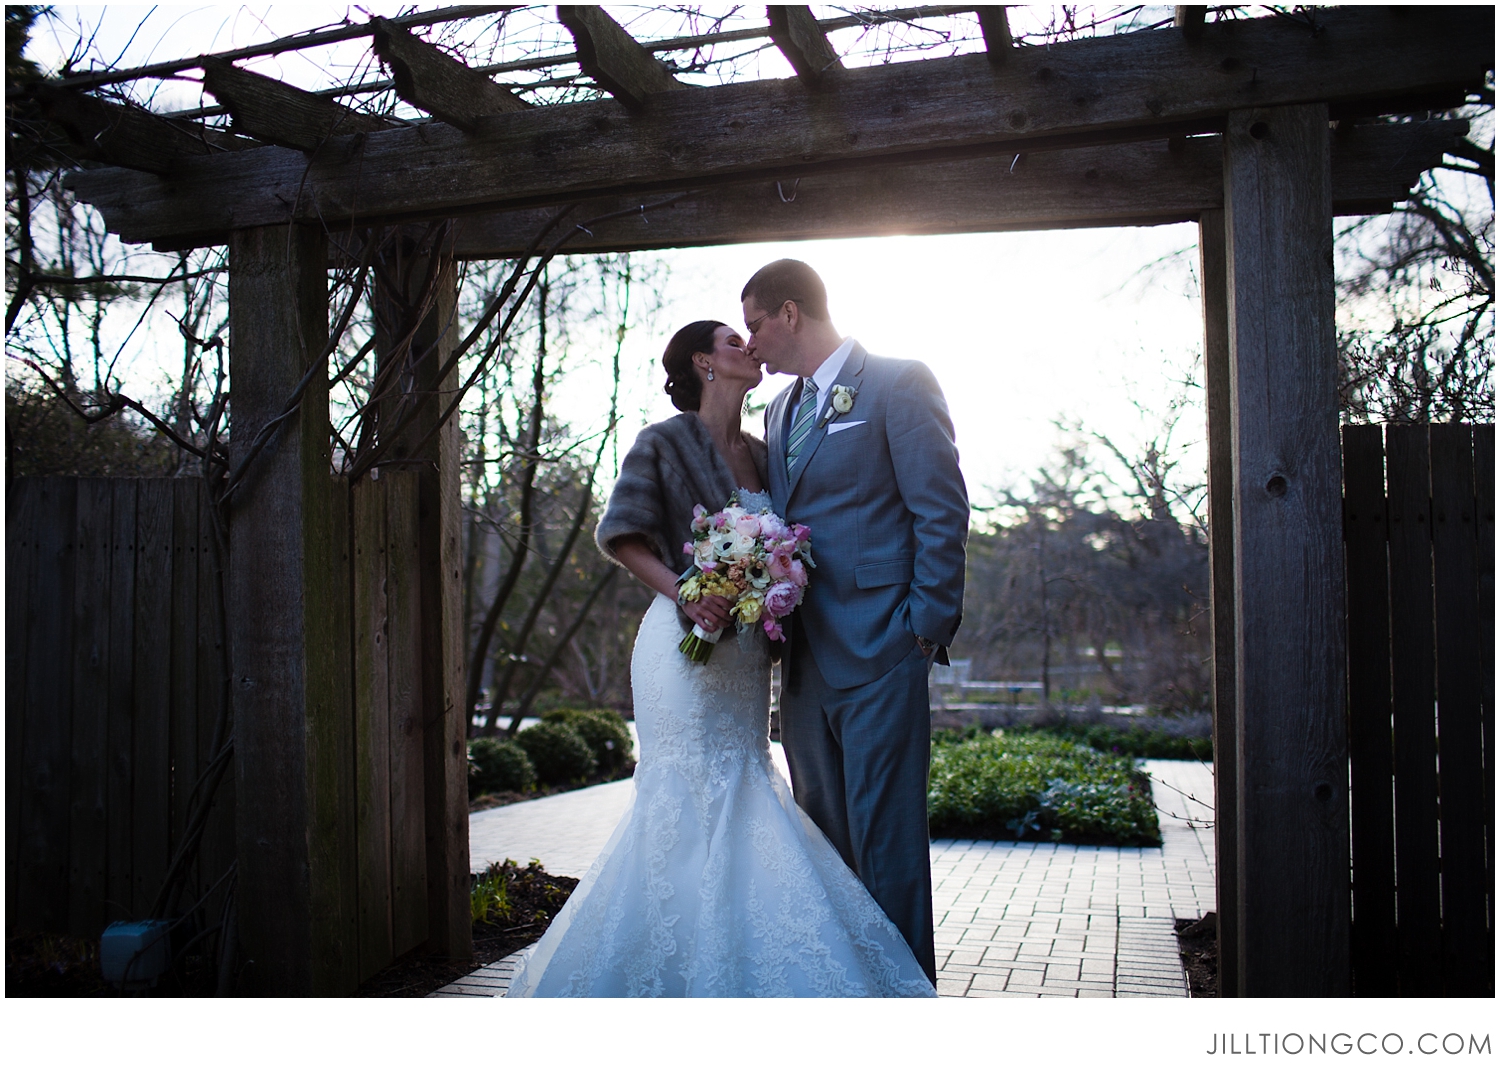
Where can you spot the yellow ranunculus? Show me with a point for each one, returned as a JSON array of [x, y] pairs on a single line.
[[749, 608]]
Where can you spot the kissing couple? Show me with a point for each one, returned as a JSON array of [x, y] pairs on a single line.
[[720, 880]]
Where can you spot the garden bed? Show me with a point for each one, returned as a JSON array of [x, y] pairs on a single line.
[[511, 907], [1035, 786], [1198, 946]]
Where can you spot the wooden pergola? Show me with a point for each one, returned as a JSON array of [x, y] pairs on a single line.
[[1256, 129]]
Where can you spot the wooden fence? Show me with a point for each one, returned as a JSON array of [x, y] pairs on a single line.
[[113, 676], [1419, 530], [112, 680]]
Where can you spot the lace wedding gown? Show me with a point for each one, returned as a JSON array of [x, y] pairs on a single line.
[[715, 883]]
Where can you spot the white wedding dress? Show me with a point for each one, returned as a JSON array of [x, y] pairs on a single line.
[[715, 883]]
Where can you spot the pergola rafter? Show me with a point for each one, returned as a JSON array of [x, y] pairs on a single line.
[[614, 59], [802, 41], [1228, 123], [1129, 87], [275, 112]]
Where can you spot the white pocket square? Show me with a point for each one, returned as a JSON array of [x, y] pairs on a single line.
[[840, 428]]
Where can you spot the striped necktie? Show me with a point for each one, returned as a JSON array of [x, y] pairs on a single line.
[[801, 424]]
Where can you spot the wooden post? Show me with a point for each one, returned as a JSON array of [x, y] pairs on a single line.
[[296, 911], [444, 733], [1221, 570], [1293, 822]]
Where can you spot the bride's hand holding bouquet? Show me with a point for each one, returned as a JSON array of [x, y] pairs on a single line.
[[748, 567]]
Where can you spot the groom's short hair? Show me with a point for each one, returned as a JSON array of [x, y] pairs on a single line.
[[773, 285]]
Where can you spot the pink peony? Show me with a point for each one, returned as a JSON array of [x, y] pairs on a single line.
[[782, 597], [773, 528], [779, 562], [798, 574]]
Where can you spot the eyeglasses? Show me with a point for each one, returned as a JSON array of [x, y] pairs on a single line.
[[752, 325]]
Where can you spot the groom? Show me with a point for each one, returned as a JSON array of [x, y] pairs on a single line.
[[862, 451]]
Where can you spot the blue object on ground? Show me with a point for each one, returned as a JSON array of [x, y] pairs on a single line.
[[134, 953]]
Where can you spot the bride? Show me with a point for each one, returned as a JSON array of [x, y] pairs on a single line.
[[714, 883]]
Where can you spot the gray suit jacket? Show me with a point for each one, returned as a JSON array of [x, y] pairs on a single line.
[[889, 515]]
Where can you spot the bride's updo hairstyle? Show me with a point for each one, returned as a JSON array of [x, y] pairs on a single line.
[[683, 383]]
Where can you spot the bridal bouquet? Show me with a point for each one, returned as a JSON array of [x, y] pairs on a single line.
[[754, 560]]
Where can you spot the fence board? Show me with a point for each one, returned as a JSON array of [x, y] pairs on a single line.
[[408, 813], [47, 730], [153, 695], [371, 727], [331, 812], [1460, 745], [184, 670], [21, 520], [88, 822], [1419, 937], [216, 851], [1484, 485], [119, 891], [348, 785], [1372, 837]]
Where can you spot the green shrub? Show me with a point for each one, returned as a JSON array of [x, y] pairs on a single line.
[[1157, 744], [1031, 785], [559, 753], [496, 765], [603, 730]]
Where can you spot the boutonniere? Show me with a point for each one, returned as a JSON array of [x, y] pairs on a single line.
[[840, 401]]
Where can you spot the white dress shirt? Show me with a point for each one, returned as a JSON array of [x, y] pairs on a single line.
[[828, 372]]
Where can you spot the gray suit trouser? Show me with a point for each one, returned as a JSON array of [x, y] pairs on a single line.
[[858, 759]]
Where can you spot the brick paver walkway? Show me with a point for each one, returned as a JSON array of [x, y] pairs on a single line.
[[1013, 919]]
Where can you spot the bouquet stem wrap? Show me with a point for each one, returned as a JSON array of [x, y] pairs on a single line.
[[698, 645]]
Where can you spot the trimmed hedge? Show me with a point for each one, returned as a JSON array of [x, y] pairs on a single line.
[[559, 753], [1153, 744], [496, 766], [603, 730], [1035, 786]]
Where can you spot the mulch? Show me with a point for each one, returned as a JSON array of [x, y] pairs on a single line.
[[1198, 946], [40, 965]]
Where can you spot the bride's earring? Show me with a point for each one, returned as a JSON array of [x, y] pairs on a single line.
[[710, 374]]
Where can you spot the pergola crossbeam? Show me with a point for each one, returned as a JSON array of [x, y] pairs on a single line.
[[1124, 88], [611, 57], [428, 78], [796, 33], [1145, 183], [275, 112]]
